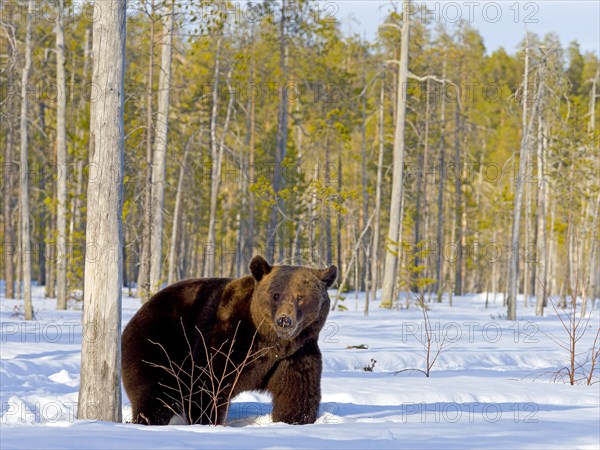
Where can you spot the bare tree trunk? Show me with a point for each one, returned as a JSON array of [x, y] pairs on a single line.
[[552, 251], [100, 387], [24, 178], [454, 230], [61, 162], [312, 217], [593, 96], [364, 270], [46, 231], [367, 281], [215, 185], [10, 246], [541, 241], [347, 270], [340, 254], [281, 141], [526, 261], [421, 203], [440, 200], [160, 148], [216, 181], [75, 206], [569, 275], [19, 276], [588, 283], [480, 276], [296, 257], [495, 271], [458, 238], [245, 228], [86, 61], [173, 260], [513, 272], [463, 232], [210, 247], [393, 251], [328, 236], [74, 224], [239, 224], [252, 124], [144, 273], [398, 281], [48, 274], [375, 246]]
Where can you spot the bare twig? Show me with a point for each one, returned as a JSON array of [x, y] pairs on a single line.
[[202, 381]]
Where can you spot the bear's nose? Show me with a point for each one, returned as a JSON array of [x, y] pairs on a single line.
[[284, 321]]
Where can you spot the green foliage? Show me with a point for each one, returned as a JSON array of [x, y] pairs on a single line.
[[321, 192]]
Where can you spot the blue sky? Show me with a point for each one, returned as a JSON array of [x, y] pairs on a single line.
[[501, 23]]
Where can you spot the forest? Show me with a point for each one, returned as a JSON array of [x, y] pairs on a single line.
[[150, 141], [416, 161]]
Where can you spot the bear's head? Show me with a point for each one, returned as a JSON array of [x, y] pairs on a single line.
[[289, 299]]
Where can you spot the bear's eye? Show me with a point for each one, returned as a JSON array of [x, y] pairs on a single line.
[[276, 297], [299, 297]]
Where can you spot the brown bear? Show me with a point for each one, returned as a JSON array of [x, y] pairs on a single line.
[[198, 343]]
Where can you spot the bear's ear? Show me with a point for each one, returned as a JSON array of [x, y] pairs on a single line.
[[328, 276], [259, 267]]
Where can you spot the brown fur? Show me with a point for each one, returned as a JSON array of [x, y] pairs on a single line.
[[287, 363]]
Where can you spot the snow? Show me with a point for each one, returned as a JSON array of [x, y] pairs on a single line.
[[491, 386]]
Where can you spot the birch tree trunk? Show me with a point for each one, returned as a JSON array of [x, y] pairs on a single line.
[[160, 148], [526, 262], [45, 225], [19, 274], [569, 279], [375, 246], [479, 275], [392, 249], [398, 281], [513, 272], [216, 184], [351, 262], [61, 162], [458, 237], [421, 202], [100, 388], [144, 273], [209, 261], [466, 258], [77, 198], [86, 62], [173, 259], [590, 289], [552, 250], [440, 200], [541, 240], [251, 143], [216, 158], [24, 178], [340, 254], [328, 236], [9, 244], [588, 283], [513, 265], [593, 96], [281, 139], [364, 270]]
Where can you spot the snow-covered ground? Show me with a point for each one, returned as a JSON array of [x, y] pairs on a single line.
[[490, 387]]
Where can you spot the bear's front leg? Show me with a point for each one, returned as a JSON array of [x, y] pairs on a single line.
[[296, 386]]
